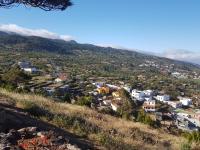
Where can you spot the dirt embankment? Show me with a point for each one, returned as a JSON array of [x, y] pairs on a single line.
[[20, 131]]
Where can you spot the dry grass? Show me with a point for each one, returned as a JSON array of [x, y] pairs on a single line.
[[130, 133]]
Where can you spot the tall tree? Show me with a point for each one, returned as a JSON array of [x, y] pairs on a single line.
[[46, 5]]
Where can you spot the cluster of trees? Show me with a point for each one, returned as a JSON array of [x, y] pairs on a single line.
[[13, 77], [126, 110]]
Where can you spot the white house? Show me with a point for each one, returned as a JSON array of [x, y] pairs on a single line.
[[175, 104], [138, 95], [30, 70], [148, 93], [163, 98], [24, 64], [58, 80], [185, 101]]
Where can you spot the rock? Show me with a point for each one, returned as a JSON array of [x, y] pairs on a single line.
[[60, 137], [72, 147], [28, 129], [41, 134]]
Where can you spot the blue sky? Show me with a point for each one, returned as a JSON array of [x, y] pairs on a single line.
[[158, 26]]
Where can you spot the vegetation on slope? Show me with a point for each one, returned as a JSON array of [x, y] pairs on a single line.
[[105, 130]]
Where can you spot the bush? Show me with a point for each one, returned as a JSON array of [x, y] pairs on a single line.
[[84, 101], [113, 143], [192, 137], [78, 124], [144, 118], [33, 109], [186, 146]]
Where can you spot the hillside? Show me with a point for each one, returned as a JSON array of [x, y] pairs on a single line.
[[129, 59], [78, 123]]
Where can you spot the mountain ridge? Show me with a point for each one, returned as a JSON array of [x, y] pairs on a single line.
[[18, 42]]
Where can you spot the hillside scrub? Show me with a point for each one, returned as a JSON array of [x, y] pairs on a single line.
[[105, 130]]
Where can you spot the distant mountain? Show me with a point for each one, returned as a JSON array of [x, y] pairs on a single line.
[[15, 42]]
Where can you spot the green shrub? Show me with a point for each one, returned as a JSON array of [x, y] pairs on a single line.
[[113, 143], [84, 101], [78, 124], [33, 109], [192, 137], [186, 146], [144, 118]]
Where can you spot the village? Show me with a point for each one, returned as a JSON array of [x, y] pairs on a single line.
[[101, 95]]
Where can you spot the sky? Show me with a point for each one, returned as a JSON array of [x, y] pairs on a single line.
[[169, 28]]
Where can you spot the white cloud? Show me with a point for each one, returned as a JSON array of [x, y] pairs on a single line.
[[183, 55], [33, 32]]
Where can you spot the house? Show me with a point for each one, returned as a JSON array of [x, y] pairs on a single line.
[[58, 80], [63, 89], [149, 106], [30, 70], [163, 98], [176, 74], [138, 95], [99, 84], [148, 98], [62, 77], [50, 91], [175, 104], [103, 90], [185, 101], [114, 87], [24, 64], [26, 67], [148, 93]]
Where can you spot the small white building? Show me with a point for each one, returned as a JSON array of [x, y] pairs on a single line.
[[148, 93], [175, 104], [58, 80], [163, 98], [185, 101], [30, 70], [138, 95]]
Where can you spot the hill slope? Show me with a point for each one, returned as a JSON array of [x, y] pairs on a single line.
[[15, 42], [102, 130]]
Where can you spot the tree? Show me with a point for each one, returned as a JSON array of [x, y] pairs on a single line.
[[46, 5], [128, 106], [84, 101], [15, 75]]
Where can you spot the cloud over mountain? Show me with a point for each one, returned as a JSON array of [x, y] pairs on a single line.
[[33, 32], [183, 55]]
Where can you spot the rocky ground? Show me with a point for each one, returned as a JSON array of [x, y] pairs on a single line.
[[31, 139], [19, 131]]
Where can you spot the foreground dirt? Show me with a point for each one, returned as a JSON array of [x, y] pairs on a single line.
[[20, 131]]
